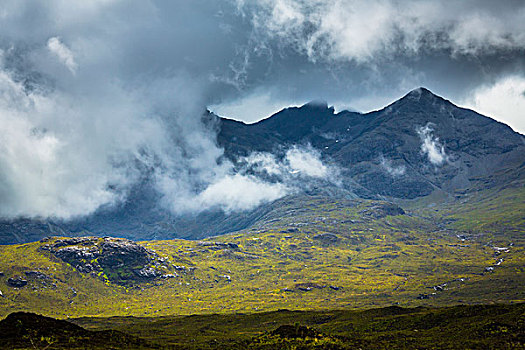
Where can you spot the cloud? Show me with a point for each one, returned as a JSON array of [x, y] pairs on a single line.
[[306, 162], [390, 168], [47, 170], [254, 107], [367, 30], [264, 163], [239, 192], [430, 145], [63, 53], [72, 143], [144, 74], [298, 163], [257, 178], [504, 100]]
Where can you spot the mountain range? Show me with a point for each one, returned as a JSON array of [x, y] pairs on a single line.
[[420, 146]]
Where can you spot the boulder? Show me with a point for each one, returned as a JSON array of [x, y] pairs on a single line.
[[16, 282], [35, 274], [146, 272], [382, 210], [326, 238]]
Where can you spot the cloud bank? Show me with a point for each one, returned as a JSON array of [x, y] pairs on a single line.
[[96, 97], [504, 100], [365, 30]]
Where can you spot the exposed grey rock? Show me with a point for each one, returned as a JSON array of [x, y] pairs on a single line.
[[35, 274], [126, 252], [76, 255], [308, 286], [146, 272], [381, 210], [440, 287], [326, 237], [16, 282], [218, 245], [126, 260]]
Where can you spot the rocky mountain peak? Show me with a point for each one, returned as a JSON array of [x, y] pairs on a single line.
[[423, 96], [317, 105]]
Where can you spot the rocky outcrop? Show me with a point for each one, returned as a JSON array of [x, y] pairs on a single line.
[[35, 274], [218, 245], [16, 282], [326, 238], [383, 209], [119, 260]]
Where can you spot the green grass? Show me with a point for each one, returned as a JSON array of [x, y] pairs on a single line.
[[374, 263], [459, 327]]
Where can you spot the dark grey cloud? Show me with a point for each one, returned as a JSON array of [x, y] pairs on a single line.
[[363, 54], [95, 94]]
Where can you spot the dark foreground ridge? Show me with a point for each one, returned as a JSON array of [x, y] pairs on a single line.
[[458, 327], [24, 330]]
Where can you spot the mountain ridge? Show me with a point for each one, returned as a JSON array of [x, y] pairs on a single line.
[[416, 146]]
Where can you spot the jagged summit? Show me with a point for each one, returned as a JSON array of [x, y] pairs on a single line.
[[419, 100], [317, 104]]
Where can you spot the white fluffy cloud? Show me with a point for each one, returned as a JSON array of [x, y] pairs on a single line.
[[297, 162], [261, 177], [390, 168], [504, 100], [431, 146], [306, 162], [239, 192], [63, 53], [49, 167]]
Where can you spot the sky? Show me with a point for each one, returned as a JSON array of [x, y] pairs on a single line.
[[95, 95]]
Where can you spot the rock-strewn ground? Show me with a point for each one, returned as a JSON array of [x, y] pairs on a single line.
[[119, 260]]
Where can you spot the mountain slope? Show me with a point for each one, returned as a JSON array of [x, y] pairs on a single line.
[[307, 253], [421, 145], [382, 150]]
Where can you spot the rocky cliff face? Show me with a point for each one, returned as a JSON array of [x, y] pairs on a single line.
[[412, 147]]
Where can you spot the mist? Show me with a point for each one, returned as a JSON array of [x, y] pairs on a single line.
[[97, 97]]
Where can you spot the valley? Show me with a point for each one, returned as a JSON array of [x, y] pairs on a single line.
[[387, 239]]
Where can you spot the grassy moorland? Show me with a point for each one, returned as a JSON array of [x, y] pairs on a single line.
[[457, 327], [311, 254]]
